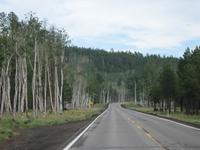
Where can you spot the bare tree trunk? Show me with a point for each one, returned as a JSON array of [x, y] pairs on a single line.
[[61, 80], [56, 86], [3, 90], [74, 95], [9, 107], [50, 88], [8, 95], [6, 88], [25, 84], [16, 87], [45, 84], [19, 85], [40, 93], [34, 79]]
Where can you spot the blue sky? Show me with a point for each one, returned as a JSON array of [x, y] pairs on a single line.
[[148, 26]]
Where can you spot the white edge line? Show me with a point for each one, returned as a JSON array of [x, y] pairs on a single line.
[[78, 137], [169, 121]]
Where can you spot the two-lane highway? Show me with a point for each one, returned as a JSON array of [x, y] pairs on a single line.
[[122, 129]]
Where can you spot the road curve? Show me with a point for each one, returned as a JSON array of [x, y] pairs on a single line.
[[122, 129]]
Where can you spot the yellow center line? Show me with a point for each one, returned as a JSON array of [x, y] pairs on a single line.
[[139, 126], [132, 121]]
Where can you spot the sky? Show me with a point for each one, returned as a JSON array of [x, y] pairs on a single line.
[[165, 27]]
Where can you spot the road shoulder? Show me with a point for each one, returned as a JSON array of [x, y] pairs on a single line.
[[41, 138], [167, 118]]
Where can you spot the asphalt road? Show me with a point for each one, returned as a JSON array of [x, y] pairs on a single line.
[[122, 129]]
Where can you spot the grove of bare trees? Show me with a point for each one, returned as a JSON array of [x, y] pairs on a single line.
[[32, 65]]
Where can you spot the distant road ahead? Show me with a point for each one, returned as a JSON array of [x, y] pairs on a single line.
[[122, 129]]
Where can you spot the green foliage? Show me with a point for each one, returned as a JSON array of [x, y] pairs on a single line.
[[189, 73], [67, 93], [157, 78], [179, 84], [107, 70], [155, 94], [168, 83]]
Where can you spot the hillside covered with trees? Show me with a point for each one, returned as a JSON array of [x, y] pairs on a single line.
[[41, 72]]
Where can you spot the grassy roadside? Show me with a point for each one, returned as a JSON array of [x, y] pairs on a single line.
[[190, 119], [9, 124]]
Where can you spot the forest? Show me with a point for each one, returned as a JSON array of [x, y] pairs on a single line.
[[40, 72]]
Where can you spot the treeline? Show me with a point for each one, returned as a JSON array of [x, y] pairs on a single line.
[[179, 87], [118, 76], [41, 72], [31, 65]]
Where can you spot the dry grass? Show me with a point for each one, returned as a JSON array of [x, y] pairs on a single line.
[[195, 119], [9, 123]]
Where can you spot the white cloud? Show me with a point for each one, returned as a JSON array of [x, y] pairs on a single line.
[[147, 23]]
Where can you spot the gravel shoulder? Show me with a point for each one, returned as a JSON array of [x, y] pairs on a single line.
[[44, 138]]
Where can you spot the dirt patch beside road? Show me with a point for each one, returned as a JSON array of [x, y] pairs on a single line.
[[44, 138]]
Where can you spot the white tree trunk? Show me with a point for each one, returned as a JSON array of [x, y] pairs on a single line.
[[50, 88], [34, 79]]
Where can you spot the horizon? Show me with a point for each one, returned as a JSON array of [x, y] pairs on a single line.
[[126, 51]]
